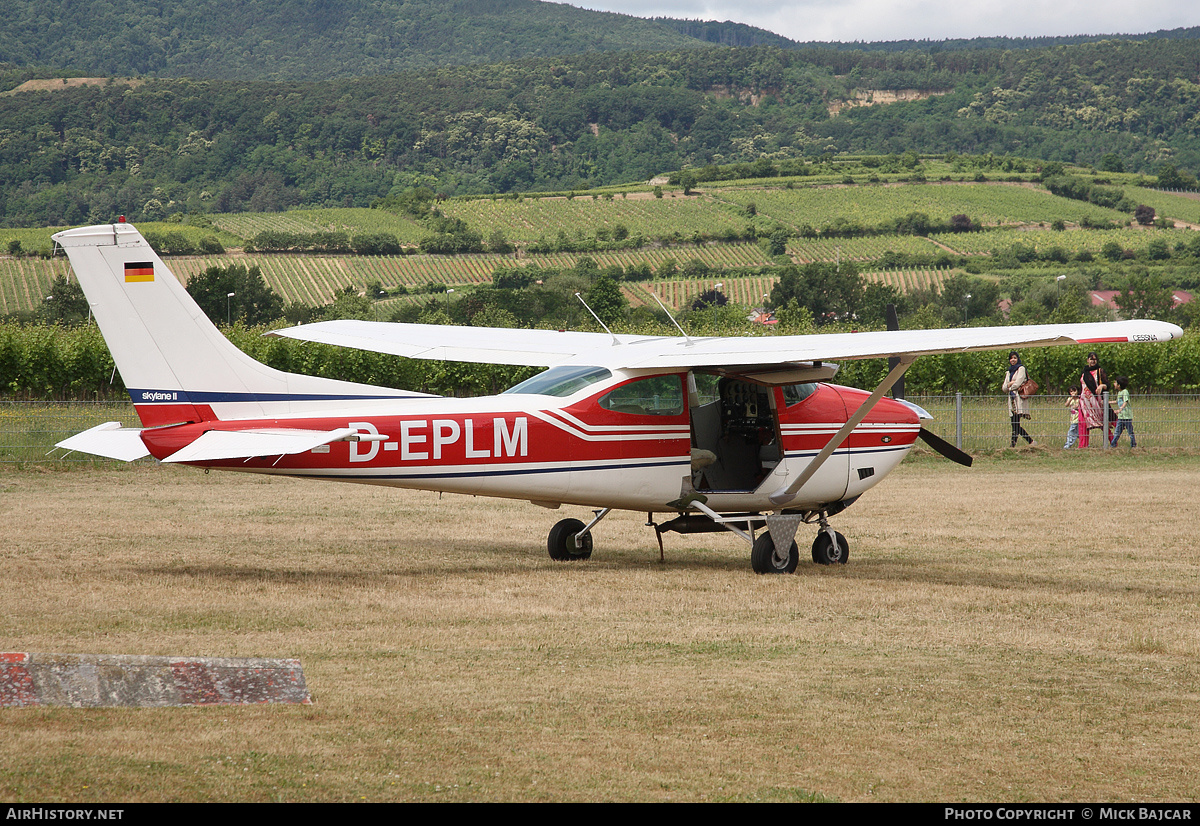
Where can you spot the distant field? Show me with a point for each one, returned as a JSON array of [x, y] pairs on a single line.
[[805, 250], [1072, 241], [352, 221], [532, 218], [720, 210], [1180, 206], [314, 279], [987, 203]]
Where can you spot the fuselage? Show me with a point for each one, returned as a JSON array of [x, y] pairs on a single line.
[[633, 440]]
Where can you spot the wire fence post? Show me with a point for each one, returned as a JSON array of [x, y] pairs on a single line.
[[1104, 412], [958, 420]]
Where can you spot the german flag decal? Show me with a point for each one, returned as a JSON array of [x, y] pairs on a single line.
[[139, 271]]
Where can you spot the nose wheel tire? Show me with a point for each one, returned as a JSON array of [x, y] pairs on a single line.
[[561, 542], [824, 552], [764, 560]]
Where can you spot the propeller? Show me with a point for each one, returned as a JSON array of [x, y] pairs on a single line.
[[943, 447], [939, 444]]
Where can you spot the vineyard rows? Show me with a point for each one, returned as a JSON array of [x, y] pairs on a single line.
[[1072, 241], [748, 291], [806, 250], [909, 280], [25, 282]]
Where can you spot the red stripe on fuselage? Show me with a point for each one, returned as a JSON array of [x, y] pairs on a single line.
[[157, 415], [513, 437]]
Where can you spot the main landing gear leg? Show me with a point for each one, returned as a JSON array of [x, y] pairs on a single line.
[[830, 546], [571, 540]]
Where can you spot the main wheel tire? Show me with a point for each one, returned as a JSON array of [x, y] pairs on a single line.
[[561, 542], [823, 552], [763, 560]]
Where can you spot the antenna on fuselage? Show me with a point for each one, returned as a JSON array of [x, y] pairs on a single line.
[[673, 321], [598, 321]]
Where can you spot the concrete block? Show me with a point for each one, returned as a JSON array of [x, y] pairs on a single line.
[[107, 680]]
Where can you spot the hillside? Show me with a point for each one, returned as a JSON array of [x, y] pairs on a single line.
[[79, 153], [308, 39]]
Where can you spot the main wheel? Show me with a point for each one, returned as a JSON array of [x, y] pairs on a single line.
[[561, 542], [824, 552], [764, 561]]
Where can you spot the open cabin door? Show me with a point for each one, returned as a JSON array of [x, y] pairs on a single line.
[[736, 438]]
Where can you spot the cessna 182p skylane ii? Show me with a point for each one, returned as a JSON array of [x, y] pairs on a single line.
[[739, 434]]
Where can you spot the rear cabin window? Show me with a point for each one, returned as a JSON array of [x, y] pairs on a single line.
[[561, 381], [653, 396]]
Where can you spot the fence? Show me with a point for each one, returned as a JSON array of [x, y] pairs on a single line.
[[983, 422], [28, 430]]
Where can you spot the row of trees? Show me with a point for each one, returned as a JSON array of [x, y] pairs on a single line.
[[50, 362]]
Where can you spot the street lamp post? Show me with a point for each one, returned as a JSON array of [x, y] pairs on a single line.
[[966, 306], [228, 312]]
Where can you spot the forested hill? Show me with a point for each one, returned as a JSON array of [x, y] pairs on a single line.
[[307, 39], [81, 153]]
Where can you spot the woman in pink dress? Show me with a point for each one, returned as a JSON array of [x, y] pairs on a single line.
[[1092, 384]]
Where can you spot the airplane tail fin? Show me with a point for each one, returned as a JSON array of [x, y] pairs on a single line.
[[176, 364]]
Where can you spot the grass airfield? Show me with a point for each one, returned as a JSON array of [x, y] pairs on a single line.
[[1026, 630]]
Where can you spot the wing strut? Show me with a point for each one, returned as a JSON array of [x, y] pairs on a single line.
[[785, 495]]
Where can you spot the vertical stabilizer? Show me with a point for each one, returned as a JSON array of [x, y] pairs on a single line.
[[176, 364]]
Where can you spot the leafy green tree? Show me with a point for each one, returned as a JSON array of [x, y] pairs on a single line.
[[828, 291], [1144, 296], [1112, 162], [606, 299], [498, 243], [709, 298], [65, 304], [253, 301], [349, 304]]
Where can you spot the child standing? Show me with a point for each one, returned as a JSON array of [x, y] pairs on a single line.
[[1124, 413], [1072, 405]]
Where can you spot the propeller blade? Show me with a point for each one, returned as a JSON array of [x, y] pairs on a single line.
[[893, 323], [945, 448]]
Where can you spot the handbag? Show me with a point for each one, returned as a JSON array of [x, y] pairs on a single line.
[[1027, 389]]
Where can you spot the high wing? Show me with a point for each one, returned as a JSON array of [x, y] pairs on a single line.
[[484, 345], [547, 348]]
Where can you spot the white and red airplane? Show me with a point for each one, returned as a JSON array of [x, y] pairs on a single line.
[[725, 433]]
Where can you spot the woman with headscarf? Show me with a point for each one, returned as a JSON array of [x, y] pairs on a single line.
[[1092, 384], [1018, 407]]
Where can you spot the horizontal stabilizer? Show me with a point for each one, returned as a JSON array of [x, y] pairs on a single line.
[[244, 444], [109, 440]]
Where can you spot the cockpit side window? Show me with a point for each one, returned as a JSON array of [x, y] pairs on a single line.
[[561, 381], [796, 393], [652, 396]]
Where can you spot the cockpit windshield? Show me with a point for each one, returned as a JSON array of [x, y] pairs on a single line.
[[561, 381]]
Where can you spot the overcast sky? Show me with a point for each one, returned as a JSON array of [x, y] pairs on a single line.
[[870, 20]]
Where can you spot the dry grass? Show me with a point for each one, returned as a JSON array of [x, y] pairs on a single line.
[[1025, 631]]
